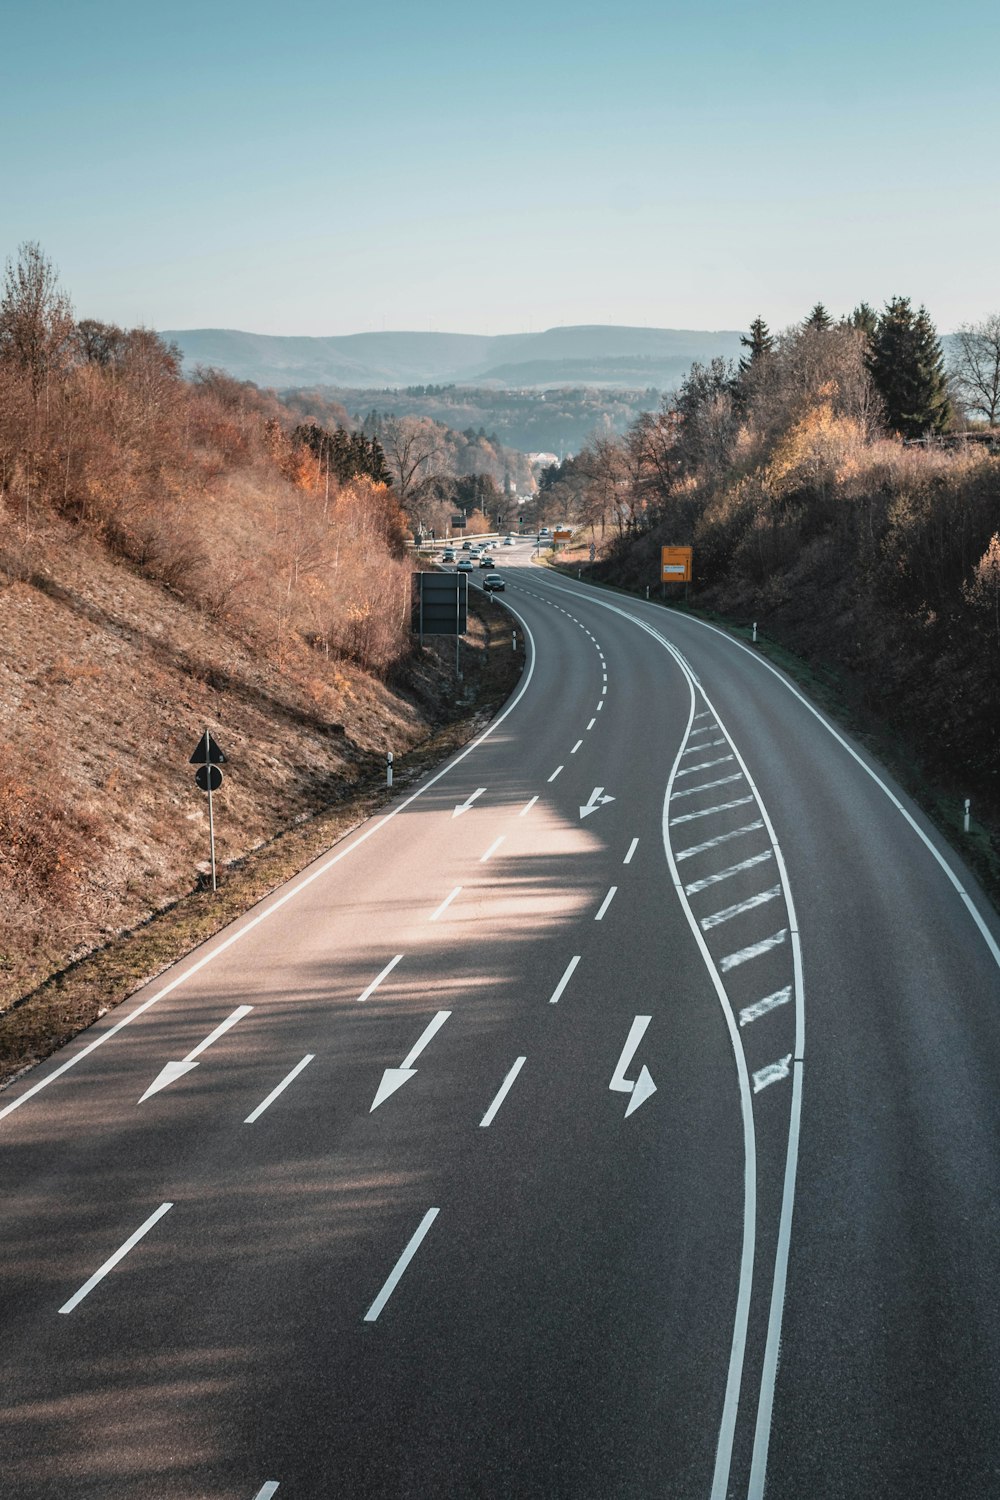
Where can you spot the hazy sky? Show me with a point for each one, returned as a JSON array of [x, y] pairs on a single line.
[[319, 168]]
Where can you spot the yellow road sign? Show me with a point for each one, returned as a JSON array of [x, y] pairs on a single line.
[[675, 564]]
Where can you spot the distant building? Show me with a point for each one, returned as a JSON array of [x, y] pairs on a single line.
[[542, 460]]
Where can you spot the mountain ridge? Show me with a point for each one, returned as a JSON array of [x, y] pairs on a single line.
[[581, 354]]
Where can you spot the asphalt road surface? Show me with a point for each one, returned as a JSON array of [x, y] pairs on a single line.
[[615, 1117]]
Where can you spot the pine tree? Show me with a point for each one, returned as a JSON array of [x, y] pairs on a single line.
[[759, 343], [865, 319], [819, 319], [907, 367]]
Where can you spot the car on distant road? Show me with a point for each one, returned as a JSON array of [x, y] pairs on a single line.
[[466, 546], [508, 541], [463, 565], [448, 555], [493, 584], [487, 562]]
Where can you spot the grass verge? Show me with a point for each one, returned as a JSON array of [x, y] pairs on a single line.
[[43, 1020]]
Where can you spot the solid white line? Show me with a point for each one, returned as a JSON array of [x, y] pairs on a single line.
[[726, 915], [745, 864], [267, 1490], [631, 850], [109, 1265], [527, 807], [606, 903], [555, 773], [707, 786], [592, 723], [280, 1089], [743, 955], [404, 1260], [445, 904], [760, 1008], [773, 1073], [505, 1088], [564, 981], [492, 849], [984, 931], [379, 978], [708, 811], [576, 747], [704, 765], [289, 895], [723, 838]]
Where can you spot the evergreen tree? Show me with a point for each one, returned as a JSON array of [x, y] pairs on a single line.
[[379, 469], [865, 319], [819, 319], [759, 343], [907, 367]]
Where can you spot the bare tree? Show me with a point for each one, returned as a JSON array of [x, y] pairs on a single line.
[[975, 368], [36, 320], [410, 444]]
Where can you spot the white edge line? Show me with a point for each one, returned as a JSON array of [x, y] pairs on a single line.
[[288, 895], [758, 1469], [113, 1260], [280, 1089], [505, 1089], [379, 978], [564, 981], [396, 1273]]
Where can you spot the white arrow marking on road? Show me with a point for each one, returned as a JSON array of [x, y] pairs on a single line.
[[464, 806], [174, 1070], [394, 1078], [642, 1087], [598, 797]]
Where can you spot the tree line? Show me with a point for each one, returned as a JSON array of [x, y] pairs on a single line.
[[795, 477]]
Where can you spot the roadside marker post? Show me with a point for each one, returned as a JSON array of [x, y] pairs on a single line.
[[755, 632], [388, 768], [208, 757], [965, 821]]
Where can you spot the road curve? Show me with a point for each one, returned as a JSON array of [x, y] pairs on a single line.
[[612, 1118]]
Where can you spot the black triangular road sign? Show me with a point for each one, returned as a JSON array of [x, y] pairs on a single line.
[[207, 752]]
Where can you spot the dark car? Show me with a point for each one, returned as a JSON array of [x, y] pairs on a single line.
[[493, 584]]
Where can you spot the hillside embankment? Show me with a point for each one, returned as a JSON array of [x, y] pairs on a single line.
[[107, 680]]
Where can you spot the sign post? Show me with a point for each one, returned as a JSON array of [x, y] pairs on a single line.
[[208, 757]]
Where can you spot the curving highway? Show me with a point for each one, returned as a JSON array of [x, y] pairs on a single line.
[[614, 1117]]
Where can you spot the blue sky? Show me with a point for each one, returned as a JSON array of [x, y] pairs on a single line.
[[317, 168]]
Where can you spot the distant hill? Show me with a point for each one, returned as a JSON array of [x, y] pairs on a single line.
[[599, 355]]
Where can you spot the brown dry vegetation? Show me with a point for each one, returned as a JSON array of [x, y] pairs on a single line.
[[171, 558], [872, 559]]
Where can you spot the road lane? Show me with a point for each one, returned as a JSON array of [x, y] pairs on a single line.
[[577, 1319]]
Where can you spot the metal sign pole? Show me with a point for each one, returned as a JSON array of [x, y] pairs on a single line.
[[211, 825]]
